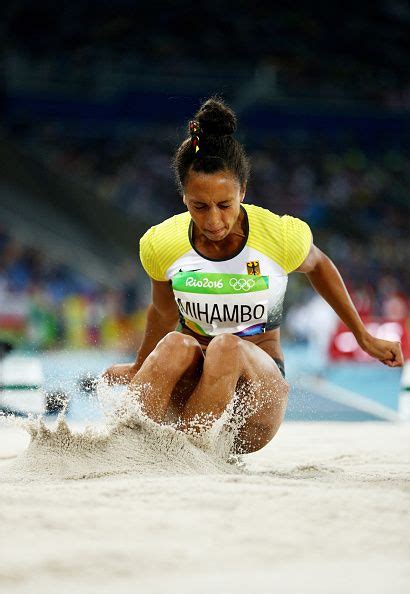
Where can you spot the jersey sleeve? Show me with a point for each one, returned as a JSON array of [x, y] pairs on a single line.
[[148, 258], [297, 238]]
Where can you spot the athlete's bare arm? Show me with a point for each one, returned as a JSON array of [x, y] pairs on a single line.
[[326, 280], [162, 317]]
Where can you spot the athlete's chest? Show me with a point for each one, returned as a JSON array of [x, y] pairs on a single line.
[[250, 261], [242, 295]]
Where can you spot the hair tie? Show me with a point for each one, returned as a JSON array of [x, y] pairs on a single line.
[[195, 131]]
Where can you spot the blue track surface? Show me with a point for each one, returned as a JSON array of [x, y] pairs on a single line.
[[372, 380]]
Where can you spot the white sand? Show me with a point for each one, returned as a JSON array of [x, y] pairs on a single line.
[[323, 509]]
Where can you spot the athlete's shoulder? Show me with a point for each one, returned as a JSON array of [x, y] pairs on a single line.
[[162, 232], [261, 215], [164, 243], [285, 239]]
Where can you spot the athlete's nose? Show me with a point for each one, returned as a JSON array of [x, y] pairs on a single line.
[[213, 220]]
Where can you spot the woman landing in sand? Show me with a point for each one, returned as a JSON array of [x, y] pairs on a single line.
[[221, 270]]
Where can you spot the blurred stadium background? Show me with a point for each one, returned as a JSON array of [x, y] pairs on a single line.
[[94, 98]]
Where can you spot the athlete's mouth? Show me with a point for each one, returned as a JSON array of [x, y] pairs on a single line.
[[218, 232]]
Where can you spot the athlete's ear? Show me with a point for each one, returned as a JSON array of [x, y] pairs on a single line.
[[184, 199], [243, 192]]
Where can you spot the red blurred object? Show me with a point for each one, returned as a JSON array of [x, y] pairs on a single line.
[[12, 322], [343, 345]]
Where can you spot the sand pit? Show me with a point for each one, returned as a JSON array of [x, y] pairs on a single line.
[[324, 508]]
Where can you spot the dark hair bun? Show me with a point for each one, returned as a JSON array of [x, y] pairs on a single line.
[[216, 118]]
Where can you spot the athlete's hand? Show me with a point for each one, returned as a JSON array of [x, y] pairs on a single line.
[[121, 373], [386, 351]]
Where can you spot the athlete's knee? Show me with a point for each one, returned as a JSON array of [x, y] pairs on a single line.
[[177, 340], [225, 345], [176, 348], [225, 353]]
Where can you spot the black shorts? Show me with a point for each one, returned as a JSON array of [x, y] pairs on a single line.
[[281, 365]]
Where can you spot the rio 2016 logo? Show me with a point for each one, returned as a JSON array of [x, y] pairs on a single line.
[[237, 284]]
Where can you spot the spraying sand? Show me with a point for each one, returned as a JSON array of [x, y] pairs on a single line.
[[134, 507]]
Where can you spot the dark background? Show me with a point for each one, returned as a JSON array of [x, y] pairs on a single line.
[[95, 97]]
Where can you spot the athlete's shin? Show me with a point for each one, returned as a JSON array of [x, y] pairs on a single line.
[[223, 366]]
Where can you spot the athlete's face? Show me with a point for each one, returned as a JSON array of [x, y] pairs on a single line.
[[213, 200]]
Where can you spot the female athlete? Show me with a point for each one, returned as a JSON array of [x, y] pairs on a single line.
[[220, 270]]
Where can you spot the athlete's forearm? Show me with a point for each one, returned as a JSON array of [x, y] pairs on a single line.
[[157, 327], [326, 280]]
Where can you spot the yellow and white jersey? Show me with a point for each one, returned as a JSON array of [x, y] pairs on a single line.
[[242, 295]]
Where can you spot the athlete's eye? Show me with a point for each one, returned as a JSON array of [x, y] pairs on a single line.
[[204, 206]]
